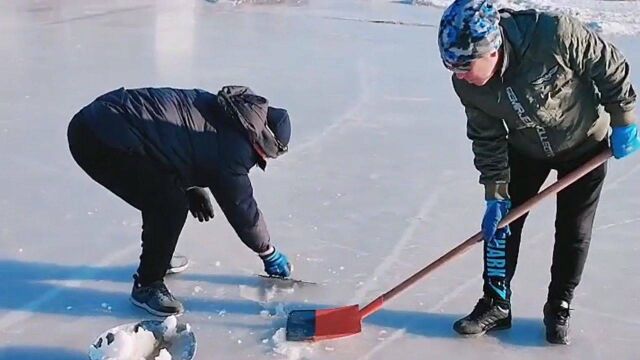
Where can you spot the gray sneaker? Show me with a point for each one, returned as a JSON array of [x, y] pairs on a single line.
[[156, 299]]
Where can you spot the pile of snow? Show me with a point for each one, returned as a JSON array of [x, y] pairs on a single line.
[[290, 350], [164, 355], [137, 343], [125, 345]]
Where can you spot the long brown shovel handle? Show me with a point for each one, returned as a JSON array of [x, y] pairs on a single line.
[[466, 245]]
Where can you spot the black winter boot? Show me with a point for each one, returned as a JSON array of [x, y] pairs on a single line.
[[556, 321], [488, 314]]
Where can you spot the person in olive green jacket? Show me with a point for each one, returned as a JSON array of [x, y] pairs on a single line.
[[533, 85]]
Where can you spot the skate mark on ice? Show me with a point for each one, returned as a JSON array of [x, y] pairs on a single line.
[[613, 183], [343, 247], [365, 78], [395, 336], [383, 21], [609, 316], [100, 14], [400, 332], [395, 253], [28, 310], [623, 222], [455, 292]]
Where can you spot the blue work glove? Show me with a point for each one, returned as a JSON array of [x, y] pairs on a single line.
[[495, 212], [276, 263], [624, 140]]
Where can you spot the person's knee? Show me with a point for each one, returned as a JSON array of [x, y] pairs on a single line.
[[166, 209], [173, 202], [574, 230]]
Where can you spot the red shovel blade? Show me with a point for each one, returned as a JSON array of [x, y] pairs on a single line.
[[316, 325]]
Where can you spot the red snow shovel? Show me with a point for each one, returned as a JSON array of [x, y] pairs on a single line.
[[316, 325]]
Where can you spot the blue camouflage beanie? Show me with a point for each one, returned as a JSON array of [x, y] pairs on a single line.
[[468, 30]]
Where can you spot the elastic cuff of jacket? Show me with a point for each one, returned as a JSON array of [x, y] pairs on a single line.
[[496, 191], [269, 251], [622, 118]]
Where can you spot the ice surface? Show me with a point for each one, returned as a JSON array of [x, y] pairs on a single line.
[[379, 179]]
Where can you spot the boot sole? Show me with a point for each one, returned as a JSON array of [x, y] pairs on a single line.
[[495, 328], [151, 310], [550, 341], [558, 343]]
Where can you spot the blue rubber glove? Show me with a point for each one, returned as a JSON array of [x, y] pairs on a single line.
[[276, 264], [495, 212], [624, 140]]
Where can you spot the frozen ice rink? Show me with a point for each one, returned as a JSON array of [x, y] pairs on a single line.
[[379, 181]]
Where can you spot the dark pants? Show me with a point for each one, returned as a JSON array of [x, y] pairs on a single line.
[[134, 177], [576, 209]]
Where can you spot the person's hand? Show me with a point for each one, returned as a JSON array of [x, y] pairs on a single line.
[[199, 204], [276, 264], [496, 211], [624, 140]]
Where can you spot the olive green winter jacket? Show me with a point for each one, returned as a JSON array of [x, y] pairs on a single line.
[[546, 100]]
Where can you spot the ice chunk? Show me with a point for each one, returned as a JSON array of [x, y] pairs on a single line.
[[260, 294], [291, 350], [169, 327], [117, 345], [164, 355], [128, 344], [144, 343], [280, 310]]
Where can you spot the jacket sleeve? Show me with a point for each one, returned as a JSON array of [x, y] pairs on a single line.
[[599, 60], [489, 144], [234, 194]]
